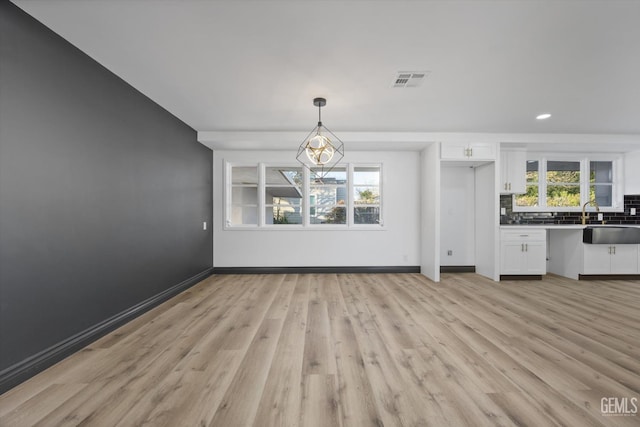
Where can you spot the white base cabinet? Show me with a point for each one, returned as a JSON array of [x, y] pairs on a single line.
[[610, 259], [523, 252]]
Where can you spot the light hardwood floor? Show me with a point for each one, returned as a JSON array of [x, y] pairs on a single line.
[[354, 350]]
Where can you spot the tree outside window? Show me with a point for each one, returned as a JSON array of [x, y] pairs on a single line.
[[567, 184]]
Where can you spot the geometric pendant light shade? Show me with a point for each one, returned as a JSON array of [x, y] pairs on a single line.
[[321, 150]]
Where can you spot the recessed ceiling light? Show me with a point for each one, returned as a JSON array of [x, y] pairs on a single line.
[[543, 116]]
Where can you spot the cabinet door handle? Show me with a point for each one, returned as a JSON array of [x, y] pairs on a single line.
[[609, 250], [509, 186], [526, 247], [471, 152], [505, 186], [521, 247], [614, 250]]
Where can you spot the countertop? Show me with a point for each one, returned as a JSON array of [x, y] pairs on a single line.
[[564, 226]]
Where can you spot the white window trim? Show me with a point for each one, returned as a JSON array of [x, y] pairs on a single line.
[[305, 207], [227, 186], [351, 195], [543, 158]]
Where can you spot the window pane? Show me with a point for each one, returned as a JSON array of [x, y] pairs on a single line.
[[283, 195], [329, 215], [367, 215], [244, 196], [530, 198], [244, 215], [602, 194], [326, 195], [329, 195], [285, 201], [338, 176], [283, 214], [283, 176], [366, 195], [563, 184], [563, 172], [532, 171], [601, 172], [563, 195], [369, 176], [290, 195], [328, 198], [244, 175], [366, 181]]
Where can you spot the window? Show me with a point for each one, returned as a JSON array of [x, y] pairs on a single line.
[[366, 186], [244, 195], [563, 184], [283, 195], [531, 197], [601, 183], [566, 183], [328, 198], [273, 196]]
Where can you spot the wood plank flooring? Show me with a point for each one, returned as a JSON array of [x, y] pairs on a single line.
[[354, 350]]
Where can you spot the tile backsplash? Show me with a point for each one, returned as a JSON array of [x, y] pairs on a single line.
[[630, 201]]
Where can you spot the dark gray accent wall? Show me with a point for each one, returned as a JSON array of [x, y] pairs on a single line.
[[103, 193]]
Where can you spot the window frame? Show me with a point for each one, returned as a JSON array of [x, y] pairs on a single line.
[[228, 196], [305, 203], [352, 190], [307, 196], [584, 160], [262, 168]]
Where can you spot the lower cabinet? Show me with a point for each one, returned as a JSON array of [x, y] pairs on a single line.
[[610, 259], [523, 252]]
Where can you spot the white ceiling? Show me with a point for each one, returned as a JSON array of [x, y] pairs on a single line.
[[256, 65]]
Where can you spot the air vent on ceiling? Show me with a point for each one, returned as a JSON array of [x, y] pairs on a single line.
[[409, 78]]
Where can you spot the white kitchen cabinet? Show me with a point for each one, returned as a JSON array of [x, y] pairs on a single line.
[[513, 172], [624, 259], [468, 151], [610, 259], [523, 252]]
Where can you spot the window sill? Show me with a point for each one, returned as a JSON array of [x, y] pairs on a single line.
[[305, 228], [577, 210]]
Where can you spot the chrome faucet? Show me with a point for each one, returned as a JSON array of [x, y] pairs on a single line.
[[585, 217]]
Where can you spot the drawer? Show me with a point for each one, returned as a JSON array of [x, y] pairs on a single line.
[[523, 235]]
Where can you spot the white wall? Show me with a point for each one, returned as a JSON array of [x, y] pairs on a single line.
[[397, 244], [457, 212], [632, 173], [430, 212], [487, 221]]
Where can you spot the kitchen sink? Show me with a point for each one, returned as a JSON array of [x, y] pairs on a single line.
[[611, 235]]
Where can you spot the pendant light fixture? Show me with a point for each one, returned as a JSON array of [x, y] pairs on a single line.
[[321, 150]]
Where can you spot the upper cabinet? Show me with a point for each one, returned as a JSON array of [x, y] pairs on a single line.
[[513, 171], [468, 151]]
